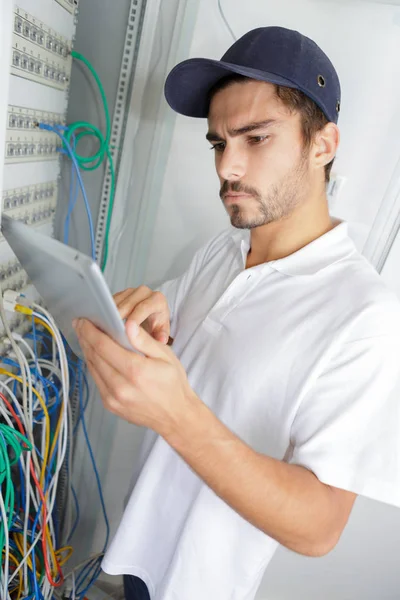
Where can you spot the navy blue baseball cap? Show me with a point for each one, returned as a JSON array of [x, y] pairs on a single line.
[[275, 54]]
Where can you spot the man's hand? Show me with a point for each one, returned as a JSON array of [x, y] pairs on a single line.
[[147, 308], [150, 390]]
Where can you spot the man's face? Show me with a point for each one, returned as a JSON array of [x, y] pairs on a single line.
[[259, 154]]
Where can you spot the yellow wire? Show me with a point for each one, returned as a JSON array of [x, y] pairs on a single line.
[[66, 558], [28, 312], [18, 540], [46, 452], [40, 322], [24, 310]]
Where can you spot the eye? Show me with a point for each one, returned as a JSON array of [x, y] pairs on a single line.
[[258, 139], [218, 147]]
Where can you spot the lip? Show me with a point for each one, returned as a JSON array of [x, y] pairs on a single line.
[[233, 196]]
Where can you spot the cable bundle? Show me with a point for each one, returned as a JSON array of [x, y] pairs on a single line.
[[36, 439], [34, 404]]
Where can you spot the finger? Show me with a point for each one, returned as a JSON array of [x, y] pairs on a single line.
[[97, 344], [105, 392], [155, 310], [120, 296], [128, 302], [146, 308], [158, 325], [101, 385], [145, 343]]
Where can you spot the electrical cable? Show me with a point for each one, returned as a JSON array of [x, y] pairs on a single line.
[[66, 144], [71, 135], [103, 151], [95, 567], [92, 570], [48, 383]]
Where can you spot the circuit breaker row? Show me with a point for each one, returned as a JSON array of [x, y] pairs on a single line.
[[28, 118], [28, 27], [33, 205], [25, 141], [39, 53], [30, 150]]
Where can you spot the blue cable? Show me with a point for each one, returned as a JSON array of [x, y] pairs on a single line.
[[85, 404], [78, 515], [83, 574], [38, 595], [29, 336], [72, 199], [47, 383], [35, 344], [72, 156]]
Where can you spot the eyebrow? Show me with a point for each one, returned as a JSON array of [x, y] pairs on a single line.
[[212, 135]]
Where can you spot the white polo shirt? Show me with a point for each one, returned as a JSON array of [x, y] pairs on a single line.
[[299, 357]]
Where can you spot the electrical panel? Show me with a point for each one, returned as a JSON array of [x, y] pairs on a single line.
[[42, 34], [39, 52], [25, 142]]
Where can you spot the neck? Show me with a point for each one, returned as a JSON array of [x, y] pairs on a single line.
[[282, 238]]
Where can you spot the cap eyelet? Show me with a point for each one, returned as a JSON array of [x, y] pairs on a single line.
[[338, 106], [321, 81]]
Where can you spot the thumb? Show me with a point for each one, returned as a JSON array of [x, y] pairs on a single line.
[[143, 341]]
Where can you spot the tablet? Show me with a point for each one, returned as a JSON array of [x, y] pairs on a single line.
[[70, 283]]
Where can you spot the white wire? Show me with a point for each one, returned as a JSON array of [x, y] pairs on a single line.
[[73, 596], [63, 376], [67, 421], [27, 511], [56, 372], [18, 338], [63, 434]]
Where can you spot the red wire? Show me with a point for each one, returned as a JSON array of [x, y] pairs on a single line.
[[44, 507]]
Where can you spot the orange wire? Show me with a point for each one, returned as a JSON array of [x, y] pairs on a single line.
[[44, 508]]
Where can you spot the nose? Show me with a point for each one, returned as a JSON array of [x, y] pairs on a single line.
[[231, 164]]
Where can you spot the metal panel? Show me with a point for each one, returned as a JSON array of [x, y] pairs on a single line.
[[127, 73]]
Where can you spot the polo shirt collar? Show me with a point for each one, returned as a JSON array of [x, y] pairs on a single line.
[[330, 248]]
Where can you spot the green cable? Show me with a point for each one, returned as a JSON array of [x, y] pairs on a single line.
[[12, 438], [86, 162]]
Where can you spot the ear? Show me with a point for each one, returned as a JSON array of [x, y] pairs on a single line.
[[325, 145]]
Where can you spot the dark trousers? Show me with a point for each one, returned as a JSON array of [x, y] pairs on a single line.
[[135, 588]]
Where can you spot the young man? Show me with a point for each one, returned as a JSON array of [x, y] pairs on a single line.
[[274, 408]]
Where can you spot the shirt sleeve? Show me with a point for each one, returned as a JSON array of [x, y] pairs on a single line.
[[347, 428]]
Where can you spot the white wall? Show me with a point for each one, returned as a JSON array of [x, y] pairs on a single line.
[[363, 41]]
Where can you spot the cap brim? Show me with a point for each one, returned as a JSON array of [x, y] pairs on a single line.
[[188, 85]]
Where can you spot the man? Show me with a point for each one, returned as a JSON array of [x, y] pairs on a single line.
[[274, 407]]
